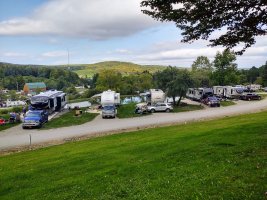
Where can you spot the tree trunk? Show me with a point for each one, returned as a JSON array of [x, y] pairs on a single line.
[[173, 98], [180, 98]]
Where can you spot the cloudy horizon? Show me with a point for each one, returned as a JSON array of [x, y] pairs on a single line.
[[43, 32]]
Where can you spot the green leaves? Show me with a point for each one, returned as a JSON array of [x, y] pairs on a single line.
[[242, 20]]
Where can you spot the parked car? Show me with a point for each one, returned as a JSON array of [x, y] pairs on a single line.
[[160, 107], [109, 111], [35, 118], [265, 89], [2, 121], [250, 96], [212, 101]]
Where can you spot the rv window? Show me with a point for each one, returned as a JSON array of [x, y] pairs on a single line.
[[231, 91]]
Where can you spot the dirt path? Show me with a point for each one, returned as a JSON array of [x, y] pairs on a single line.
[[17, 137]]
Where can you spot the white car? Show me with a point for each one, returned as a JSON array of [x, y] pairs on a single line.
[[163, 107]]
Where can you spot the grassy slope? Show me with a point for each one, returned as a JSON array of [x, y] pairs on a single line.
[[208, 160], [123, 67]]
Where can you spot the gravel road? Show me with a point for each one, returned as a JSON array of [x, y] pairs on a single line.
[[17, 137]]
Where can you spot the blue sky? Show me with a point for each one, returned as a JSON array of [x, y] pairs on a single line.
[[42, 32]]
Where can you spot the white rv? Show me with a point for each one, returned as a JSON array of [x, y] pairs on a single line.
[[155, 96], [197, 94], [110, 97], [253, 87], [10, 103], [218, 91], [232, 92]]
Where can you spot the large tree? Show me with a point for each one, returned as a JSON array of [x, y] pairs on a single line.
[[174, 82], [240, 20], [225, 69], [201, 71]]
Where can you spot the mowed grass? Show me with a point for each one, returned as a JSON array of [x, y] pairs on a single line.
[[219, 159], [227, 103], [69, 119]]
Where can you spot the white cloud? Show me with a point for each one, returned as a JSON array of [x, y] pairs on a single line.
[[52, 54], [14, 54], [101, 19]]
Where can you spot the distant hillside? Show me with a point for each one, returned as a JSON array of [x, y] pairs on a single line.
[[124, 67]]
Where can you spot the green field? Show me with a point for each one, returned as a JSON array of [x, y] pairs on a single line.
[[125, 68], [219, 159]]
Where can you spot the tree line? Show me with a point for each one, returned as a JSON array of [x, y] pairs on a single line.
[[175, 81], [13, 77]]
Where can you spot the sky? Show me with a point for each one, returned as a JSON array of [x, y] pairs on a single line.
[[46, 31]]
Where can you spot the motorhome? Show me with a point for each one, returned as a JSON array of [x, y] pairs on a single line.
[[154, 96], [51, 100], [110, 97], [197, 94], [109, 100]]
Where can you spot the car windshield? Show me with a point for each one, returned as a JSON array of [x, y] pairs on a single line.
[[108, 108], [33, 115]]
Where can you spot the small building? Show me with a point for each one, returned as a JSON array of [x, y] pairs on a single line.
[[34, 88]]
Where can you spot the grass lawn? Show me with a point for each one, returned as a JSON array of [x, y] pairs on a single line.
[[219, 159], [78, 100], [127, 111], [227, 103], [69, 119], [188, 107]]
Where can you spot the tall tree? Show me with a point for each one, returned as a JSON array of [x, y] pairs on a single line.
[[179, 86], [174, 82], [201, 71], [109, 79], [225, 68], [242, 20]]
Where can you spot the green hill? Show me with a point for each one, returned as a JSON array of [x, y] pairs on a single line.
[[125, 68]]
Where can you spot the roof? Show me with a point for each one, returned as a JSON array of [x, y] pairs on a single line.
[[36, 85]]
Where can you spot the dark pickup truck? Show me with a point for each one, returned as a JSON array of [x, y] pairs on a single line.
[[250, 96], [35, 118]]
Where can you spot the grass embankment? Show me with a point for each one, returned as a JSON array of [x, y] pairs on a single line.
[[227, 103], [219, 159], [69, 119]]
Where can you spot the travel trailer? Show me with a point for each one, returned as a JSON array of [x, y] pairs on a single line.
[[51, 100], [197, 94], [10, 103], [154, 96], [233, 92], [218, 91]]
